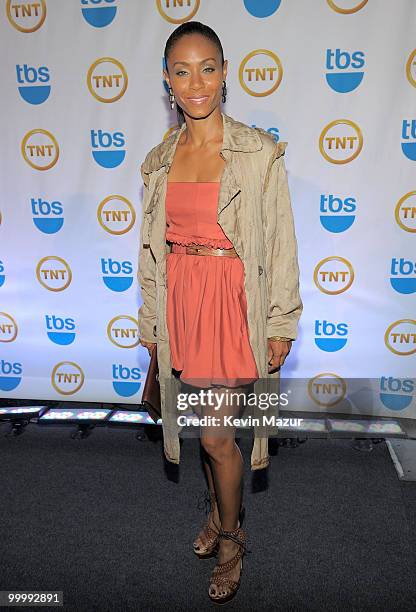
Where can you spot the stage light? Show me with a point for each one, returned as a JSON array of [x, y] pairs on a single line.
[[309, 425], [21, 412], [368, 428], [90, 416], [128, 417]]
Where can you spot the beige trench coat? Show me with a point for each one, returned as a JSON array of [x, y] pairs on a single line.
[[254, 210]]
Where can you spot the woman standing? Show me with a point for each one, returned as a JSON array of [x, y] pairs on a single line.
[[220, 320]]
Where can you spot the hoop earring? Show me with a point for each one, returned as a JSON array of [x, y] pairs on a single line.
[[171, 98], [224, 91]]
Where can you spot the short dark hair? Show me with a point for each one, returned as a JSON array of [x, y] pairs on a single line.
[[186, 28]]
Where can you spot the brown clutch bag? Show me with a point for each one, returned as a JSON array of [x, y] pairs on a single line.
[[151, 391]]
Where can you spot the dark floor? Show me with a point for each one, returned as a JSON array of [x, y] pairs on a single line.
[[107, 521]]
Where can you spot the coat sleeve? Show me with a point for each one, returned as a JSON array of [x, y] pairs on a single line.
[[146, 274], [282, 269]]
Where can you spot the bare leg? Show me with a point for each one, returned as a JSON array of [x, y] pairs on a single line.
[[214, 521], [227, 470]]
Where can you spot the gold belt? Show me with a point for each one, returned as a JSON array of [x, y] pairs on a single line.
[[206, 250]]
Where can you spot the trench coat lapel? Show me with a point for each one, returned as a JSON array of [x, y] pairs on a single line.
[[236, 137]]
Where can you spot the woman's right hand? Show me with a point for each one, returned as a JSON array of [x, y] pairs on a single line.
[[149, 345]]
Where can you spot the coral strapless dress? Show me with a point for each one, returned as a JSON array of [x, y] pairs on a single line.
[[206, 301]]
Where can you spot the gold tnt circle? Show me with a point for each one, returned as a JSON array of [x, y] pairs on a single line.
[[244, 62]]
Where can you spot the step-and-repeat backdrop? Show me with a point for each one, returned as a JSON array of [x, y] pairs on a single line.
[[83, 101]]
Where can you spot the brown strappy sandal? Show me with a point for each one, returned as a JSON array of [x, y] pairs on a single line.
[[212, 535], [219, 575]]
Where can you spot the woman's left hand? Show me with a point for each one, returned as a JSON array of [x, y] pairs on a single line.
[[277, 351]]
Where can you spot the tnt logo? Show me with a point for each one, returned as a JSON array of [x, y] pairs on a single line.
[[405, 212], [411, 68], [107, 79], [98, 13], [396, 393], [108, 148], [330, 337], [341, 141], [53, 273], [260, 72], [59, 330], [333, 275], [262, 9], [47, 216], [343, 69], [400, 337], [123, 331], [409, 138], [403, 275], [117, 275], [327, 389], [177, 11], [126, 381], [116, 215], [26, 16], [40, 149], [2, 275], [10, 375], [347, 7], [336, 213], [8, 328], [31, 85], [67, 377], [272, 131]]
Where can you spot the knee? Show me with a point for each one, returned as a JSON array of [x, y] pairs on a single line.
[[218, 448]]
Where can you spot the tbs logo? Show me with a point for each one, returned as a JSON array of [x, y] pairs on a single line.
[[97, 13], [409, 138], [396, 393], [126, 381], [335, 213], [262, 9], [10, 375], [343, 70], [47, 216], [31, 83], [60, 331], [2, 275], [108, 149], [330, 337], [403, 275], [117, 276]]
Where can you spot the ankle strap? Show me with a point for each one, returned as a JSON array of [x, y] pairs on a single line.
[[236, 535]]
